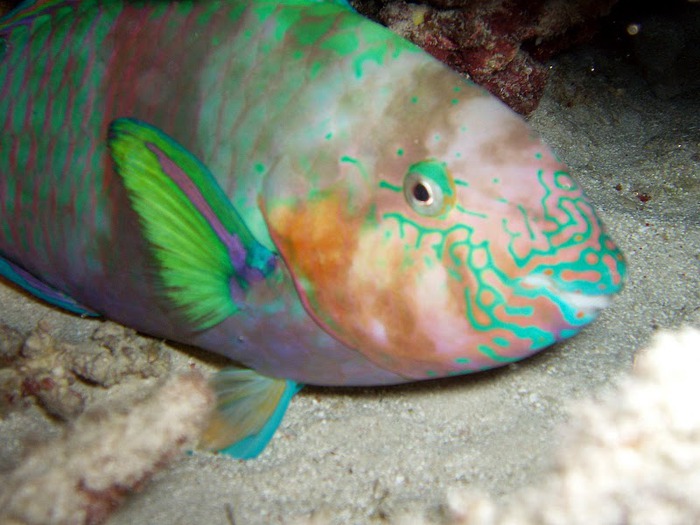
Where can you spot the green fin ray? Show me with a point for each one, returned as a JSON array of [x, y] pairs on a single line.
[[199, 241]]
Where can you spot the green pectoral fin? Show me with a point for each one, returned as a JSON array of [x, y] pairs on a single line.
[[250, 407], [203, 249]]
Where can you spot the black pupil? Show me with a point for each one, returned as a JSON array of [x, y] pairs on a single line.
[[421, 193]]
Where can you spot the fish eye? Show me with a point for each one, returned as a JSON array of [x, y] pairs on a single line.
[[427, 188], [422, 193]]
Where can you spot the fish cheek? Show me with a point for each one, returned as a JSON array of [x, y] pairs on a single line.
[[386, 316], [349, 281], [418, 283], [316, 239]]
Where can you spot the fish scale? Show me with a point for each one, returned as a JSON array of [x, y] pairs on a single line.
[[287, 184]]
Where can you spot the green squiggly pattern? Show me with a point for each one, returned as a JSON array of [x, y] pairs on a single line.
[[569, 250]]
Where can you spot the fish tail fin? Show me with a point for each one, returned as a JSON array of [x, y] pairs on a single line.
[[249, 409]]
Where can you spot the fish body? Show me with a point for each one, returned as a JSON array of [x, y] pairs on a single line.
[[287, 184]]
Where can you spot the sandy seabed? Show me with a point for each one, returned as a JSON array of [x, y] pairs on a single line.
[[372, 455]]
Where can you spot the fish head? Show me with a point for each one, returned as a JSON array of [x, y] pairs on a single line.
[[449, 238]]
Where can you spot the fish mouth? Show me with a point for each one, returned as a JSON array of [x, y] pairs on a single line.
[[589, 305], [586, 305]]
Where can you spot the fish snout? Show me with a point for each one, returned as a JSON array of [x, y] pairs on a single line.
[[582, 283], [575, 303]]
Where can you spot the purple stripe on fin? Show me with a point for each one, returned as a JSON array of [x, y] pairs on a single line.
[[236, 250]]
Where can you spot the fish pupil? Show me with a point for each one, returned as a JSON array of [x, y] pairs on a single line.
[[421, 193]]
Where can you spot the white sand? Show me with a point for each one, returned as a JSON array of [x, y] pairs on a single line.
[[369, 455]]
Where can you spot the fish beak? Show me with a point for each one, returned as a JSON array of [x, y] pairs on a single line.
[[586, 305], [589, 305]]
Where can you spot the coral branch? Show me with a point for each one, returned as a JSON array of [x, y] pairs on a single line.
[[631, 456], [106, 454]]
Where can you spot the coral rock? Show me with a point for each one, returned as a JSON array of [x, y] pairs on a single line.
[[59, 375], [497, 43], [106, 454]]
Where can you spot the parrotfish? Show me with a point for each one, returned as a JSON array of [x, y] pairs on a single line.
[[291, 185]]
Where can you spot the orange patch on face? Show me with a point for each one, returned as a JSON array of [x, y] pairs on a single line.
[[317, 239], [370, 310]]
